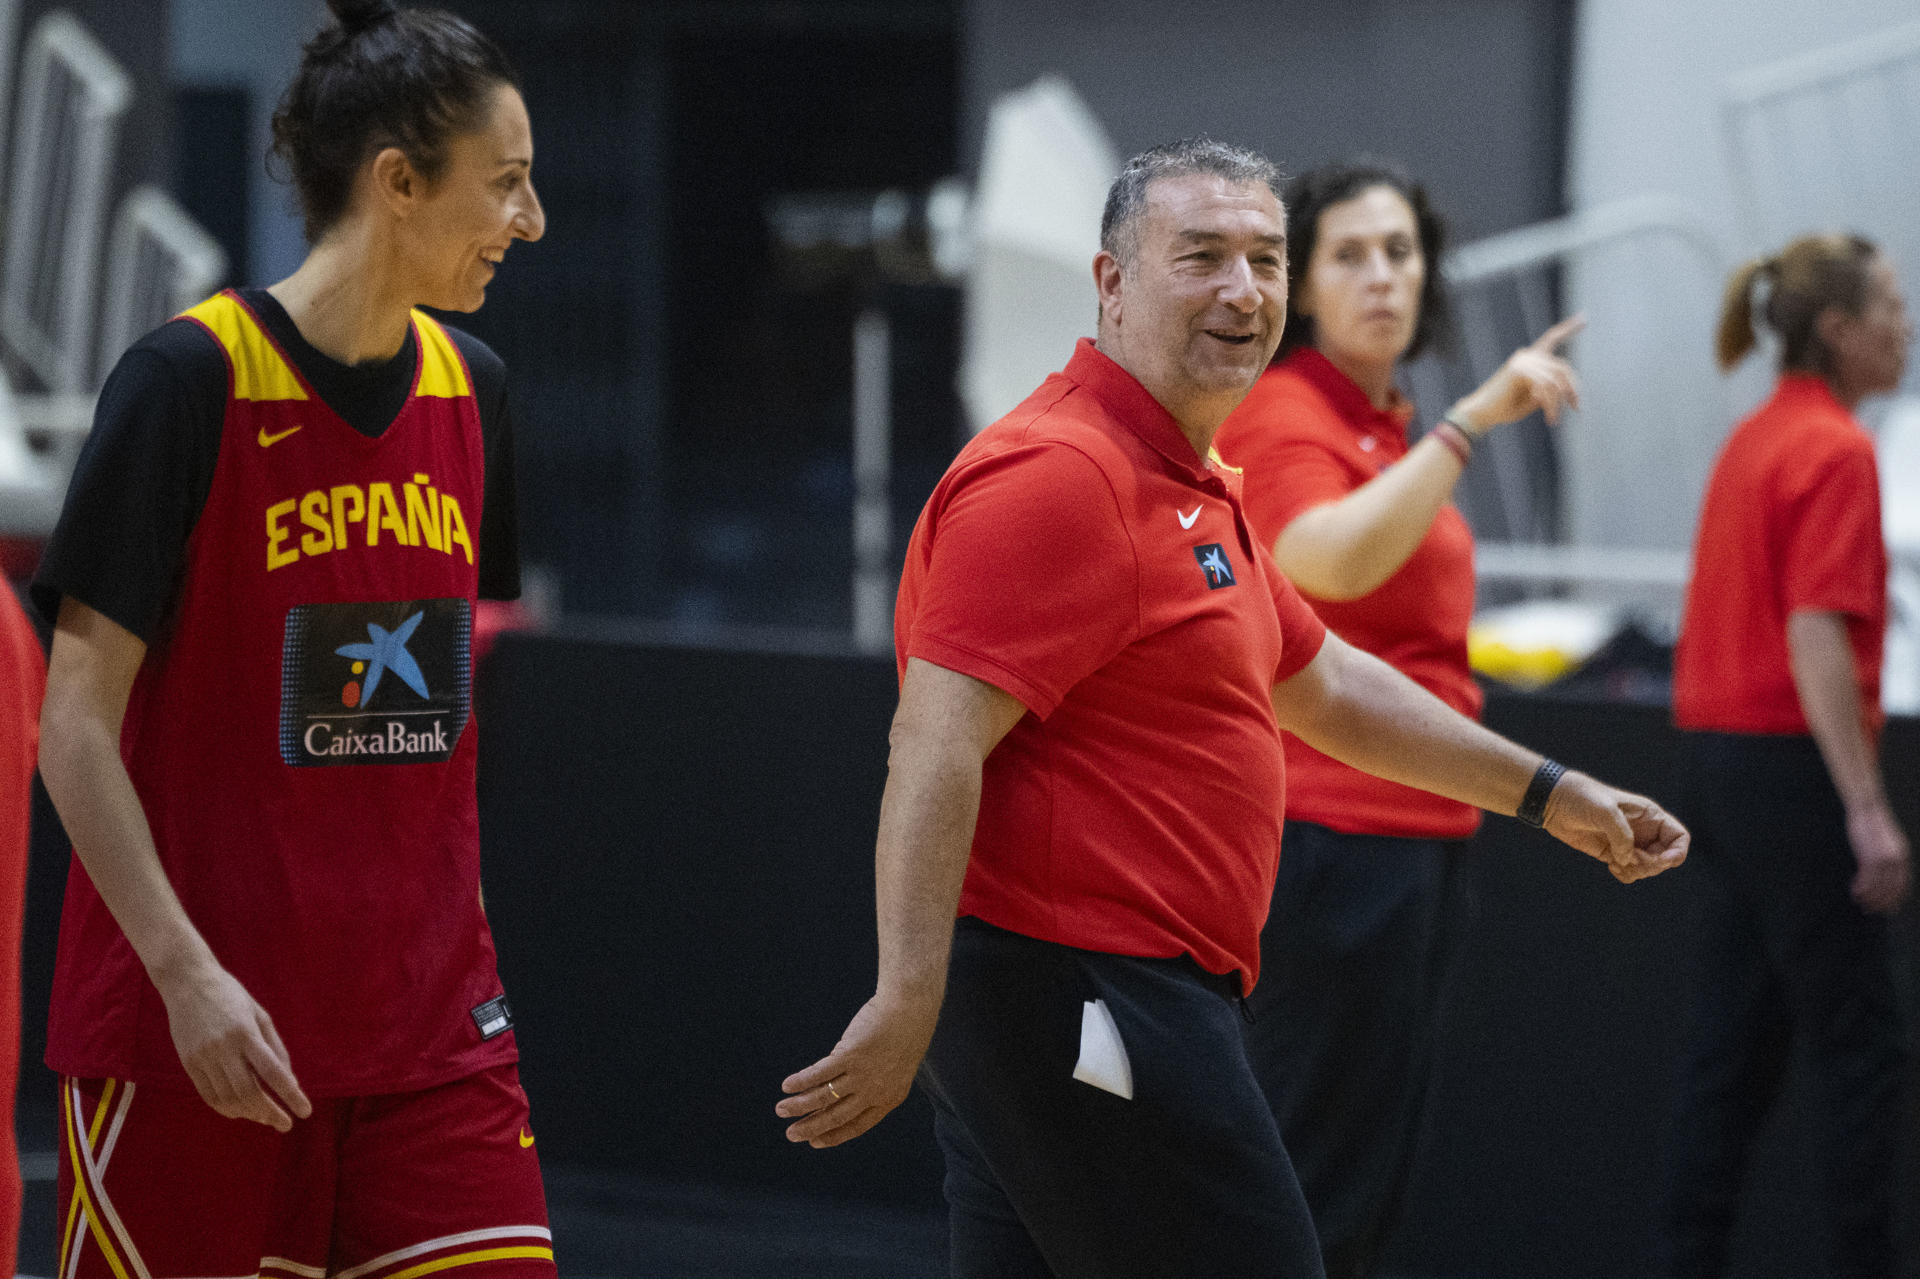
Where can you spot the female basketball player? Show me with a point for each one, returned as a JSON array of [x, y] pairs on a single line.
[[284, 1047]]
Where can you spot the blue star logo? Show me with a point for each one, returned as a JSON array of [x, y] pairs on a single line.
[[1214, 563], [388, 652]]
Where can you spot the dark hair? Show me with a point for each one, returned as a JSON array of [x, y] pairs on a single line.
[[1309, 195], [1803, 279], [380, 76], [1127, 197]]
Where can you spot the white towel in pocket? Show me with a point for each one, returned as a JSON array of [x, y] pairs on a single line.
[[1103, 1058]]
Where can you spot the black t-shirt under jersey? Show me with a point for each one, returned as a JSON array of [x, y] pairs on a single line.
[[145, 472]]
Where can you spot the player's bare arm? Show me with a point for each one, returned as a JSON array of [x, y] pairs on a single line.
[[1356, 708], [226, 1041], [946, 725]]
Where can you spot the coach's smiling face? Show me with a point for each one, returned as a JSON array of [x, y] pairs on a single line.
[[1196, 314]]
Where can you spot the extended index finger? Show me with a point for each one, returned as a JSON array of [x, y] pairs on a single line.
[[1549, 342]]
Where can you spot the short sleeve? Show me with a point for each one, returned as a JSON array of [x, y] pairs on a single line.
[[500, 507], [1833, 557], [500, 511], [1031, 582], [1301, 630], [140, 483]]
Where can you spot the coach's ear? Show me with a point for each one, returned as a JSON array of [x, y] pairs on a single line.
[[1107, 277]]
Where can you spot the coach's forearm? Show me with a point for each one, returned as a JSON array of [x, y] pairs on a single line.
[[1821, 660], [1348, 547], [1354, 707], [927, 816], [946, 725]]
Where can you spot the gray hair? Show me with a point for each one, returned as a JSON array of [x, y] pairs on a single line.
[[1127, 197]]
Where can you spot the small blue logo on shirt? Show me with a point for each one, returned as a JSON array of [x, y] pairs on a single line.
[[1213, 562], [387, 651]]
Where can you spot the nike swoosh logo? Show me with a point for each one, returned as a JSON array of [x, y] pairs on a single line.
[[268, 441], [526, 1139], [1186, 520]]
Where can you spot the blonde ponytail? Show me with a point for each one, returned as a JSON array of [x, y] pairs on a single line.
[[1735, 337]]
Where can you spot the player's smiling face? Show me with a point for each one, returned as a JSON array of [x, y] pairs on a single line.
[[1197, 316], [482, 202]]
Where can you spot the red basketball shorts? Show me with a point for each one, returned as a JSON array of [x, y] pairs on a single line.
[[155, 1185]]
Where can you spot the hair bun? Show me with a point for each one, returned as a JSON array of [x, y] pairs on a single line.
[[355, 16]]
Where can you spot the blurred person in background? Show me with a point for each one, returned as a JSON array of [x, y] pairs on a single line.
[[23, 674], [1776, 684], [1361, 521], [283, 1044], [1096, 663]]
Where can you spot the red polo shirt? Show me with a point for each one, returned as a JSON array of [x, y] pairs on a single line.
[[1791, 521], [1081, 557], [1307, 435], [23, 671]]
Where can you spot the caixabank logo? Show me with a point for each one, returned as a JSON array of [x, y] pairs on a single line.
[[388, 683]]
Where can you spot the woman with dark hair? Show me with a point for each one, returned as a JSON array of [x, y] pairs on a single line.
[[257, 721], [1776, 683], [1361, 522]]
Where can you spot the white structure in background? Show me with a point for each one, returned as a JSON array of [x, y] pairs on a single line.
[[1666, 264], [1044, 171], [159, 263], [1899, 450], [73, 96], [1831, 139]]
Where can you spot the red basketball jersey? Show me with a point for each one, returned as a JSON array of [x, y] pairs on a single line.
[[300, 737]]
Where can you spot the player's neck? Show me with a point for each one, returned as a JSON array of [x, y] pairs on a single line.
[[340, 306], [1372, 376]]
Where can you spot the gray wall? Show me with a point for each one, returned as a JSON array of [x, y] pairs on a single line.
[[1470, 94], [1648, 119], [252, 45]]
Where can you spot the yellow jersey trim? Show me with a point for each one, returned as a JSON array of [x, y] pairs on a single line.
[[473, 1258], [443, 374], [260, 373], [97, 1226]]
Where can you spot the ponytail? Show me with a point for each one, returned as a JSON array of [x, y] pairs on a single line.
[[1735, 337], [1803, 280]]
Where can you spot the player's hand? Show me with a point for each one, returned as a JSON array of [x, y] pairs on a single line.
[[871, 1071], [1634, 836], [1534, 377], [1881, 857], [231, 1050]]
